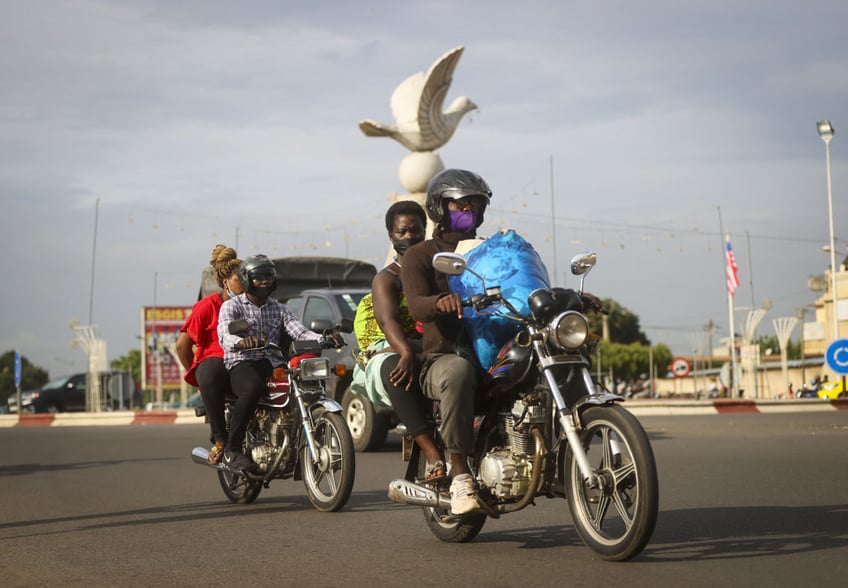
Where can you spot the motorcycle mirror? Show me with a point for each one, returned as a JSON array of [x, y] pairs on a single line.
[[583, 262], [449, 263], [239, 327], [346, 325], [320, 325]]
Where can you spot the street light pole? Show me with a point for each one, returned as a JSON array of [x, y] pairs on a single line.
[[826, 132]]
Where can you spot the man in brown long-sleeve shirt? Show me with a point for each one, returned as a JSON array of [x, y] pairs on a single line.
[[456, 201]]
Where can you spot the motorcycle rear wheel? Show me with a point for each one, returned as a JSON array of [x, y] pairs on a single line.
[[238, 489], [617, 520], [329, 481], [461, 529]]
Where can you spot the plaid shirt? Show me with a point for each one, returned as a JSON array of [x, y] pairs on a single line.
[[266, 322]]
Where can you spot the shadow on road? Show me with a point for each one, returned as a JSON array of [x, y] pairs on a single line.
[[23, 469], [745, 532]]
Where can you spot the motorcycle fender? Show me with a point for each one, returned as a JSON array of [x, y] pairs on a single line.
[[327, 404], [599, 399]]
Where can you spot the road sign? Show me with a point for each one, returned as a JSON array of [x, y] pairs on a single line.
[[17, 369], [837, 356], [680, 367]]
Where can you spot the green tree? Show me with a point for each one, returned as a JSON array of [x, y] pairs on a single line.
[[32, 377], [793, 348], [632, 360], [623, 324], [131, 362]]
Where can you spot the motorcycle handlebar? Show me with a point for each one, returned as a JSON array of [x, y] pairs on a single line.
[[332, 340], [482, 301], [261, 344]]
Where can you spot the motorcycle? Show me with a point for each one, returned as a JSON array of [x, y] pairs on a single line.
[[544, 427], [296, 432]]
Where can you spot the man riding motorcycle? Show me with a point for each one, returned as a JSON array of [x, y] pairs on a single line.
[[248, 362], [456, 202]]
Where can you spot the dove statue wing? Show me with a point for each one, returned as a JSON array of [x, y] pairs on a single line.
[[405, 100], [431, 121], [417, 103]]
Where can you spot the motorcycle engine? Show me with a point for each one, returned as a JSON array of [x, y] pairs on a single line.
[[267, 437], [507, 471]]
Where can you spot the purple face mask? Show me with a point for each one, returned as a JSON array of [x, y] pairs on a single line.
[[462, 221]]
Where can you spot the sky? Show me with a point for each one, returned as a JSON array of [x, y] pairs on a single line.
[[136, 135]]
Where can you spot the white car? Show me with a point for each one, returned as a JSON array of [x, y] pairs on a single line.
[[27, 396]]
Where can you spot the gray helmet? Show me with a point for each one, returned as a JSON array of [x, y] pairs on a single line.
[[256, 265], [453, 184]]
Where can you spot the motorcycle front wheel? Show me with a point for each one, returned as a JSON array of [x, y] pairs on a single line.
[[616, 519], [329, 480]]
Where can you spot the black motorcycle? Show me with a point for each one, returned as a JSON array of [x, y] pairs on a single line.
[[546, 428]]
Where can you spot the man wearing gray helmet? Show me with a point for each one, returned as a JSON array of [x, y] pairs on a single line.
[[456, 202]]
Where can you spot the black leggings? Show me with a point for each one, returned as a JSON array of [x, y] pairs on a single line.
[[214, 383], [412, 408]]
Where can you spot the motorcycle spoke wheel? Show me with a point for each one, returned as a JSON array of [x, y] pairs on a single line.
[[615, 517], [447, 528], [238, 489], [329, 480]]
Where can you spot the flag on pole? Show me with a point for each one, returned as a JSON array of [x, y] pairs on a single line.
[[731, 270]]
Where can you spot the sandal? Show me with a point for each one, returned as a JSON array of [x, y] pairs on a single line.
[[216, 453], [434, 472]]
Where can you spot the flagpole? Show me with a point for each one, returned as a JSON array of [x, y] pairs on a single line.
[[734, 385]]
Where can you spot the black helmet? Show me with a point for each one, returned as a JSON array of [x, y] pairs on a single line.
[[253, 267], [453, 184]]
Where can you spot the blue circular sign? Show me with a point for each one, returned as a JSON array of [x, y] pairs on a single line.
[[837, 356]]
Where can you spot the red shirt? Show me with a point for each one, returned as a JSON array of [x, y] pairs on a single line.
[[202, 327]]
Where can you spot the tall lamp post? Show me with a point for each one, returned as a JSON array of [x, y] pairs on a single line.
[[826, 132]]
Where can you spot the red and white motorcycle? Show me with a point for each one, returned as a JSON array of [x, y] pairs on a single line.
[[296, 432]]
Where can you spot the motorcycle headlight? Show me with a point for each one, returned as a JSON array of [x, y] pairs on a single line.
[[316, 368], [569, 330]]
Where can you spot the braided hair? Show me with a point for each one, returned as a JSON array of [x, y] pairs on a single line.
[[225, 262]]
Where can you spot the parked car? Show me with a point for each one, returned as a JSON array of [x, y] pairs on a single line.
[[61, 395], [68, 393], [26, 401], [832, 391], [319, 309]]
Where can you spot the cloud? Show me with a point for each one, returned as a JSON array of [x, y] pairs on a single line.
[[193, 123]]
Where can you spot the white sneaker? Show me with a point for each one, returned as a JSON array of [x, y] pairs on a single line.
[[463, 495]]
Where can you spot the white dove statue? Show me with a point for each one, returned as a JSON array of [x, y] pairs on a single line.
[[420, 124]]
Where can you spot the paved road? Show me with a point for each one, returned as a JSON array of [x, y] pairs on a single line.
[[746, 500]]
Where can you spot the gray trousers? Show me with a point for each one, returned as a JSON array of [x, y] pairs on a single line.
[[451, 380]]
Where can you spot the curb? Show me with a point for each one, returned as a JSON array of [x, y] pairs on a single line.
[[111, 418], [637, 407], [725, 406]]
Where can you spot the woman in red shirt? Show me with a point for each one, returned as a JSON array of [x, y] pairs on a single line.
[[199, 350]]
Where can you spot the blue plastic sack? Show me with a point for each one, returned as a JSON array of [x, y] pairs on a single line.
[[505, 259]]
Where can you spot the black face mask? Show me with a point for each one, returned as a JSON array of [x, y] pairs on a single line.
[[401, 245]]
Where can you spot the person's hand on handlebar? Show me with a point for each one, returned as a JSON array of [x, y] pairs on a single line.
[[250, 342], [332, 341], [450, 304]]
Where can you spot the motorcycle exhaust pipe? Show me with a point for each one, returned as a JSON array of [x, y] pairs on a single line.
[[200, 455], [406, 492]]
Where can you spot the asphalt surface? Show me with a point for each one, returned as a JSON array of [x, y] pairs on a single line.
[[747, 499]]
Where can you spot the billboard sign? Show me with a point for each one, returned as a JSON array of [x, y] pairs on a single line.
[[160, 327]]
